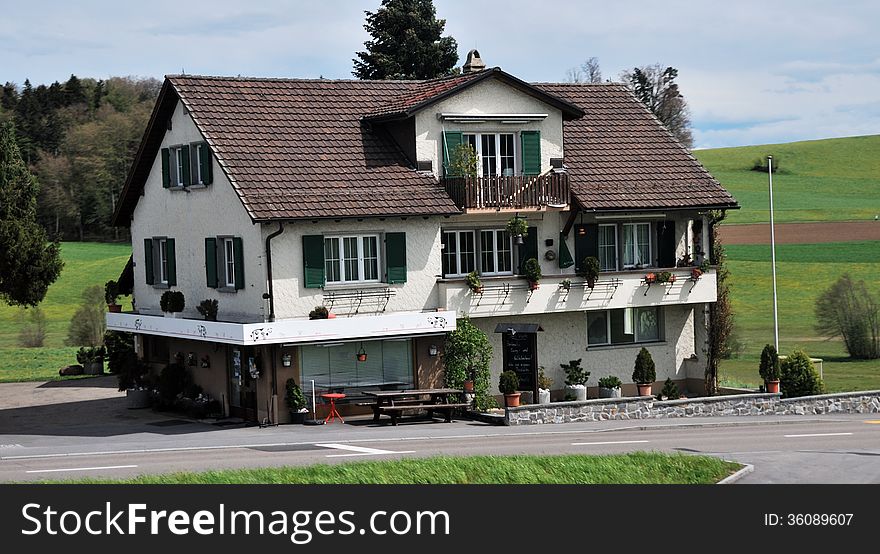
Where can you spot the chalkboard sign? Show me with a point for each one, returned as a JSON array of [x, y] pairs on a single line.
[[521, 357]]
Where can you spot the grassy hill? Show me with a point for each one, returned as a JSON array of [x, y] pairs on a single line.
[[818, 180], [85, 264]]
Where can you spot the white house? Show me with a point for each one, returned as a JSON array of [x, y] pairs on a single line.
[[275, 196]]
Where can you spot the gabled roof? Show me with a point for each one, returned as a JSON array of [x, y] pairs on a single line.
[[422, 94], [620, 157]]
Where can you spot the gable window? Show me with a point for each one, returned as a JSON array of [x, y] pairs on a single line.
[[181, 166], [349, 259], [186, 164], [160, 268], [495, 153], [608, 247], [624, 326], [229, 251], [459, 253], [636, 245]]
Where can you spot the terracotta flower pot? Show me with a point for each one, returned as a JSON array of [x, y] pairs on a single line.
[[533, 285], [772, 386], [331, 315], [696, 273], [114, 308], [362, 357], [468, 386], [645, 389], [512, 400]]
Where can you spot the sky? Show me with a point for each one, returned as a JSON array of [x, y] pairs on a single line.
[[752, 72]]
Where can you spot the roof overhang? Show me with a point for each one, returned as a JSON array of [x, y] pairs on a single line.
[[500, 117], [288, 331]]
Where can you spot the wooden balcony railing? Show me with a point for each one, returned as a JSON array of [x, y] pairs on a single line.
[[518, 193]]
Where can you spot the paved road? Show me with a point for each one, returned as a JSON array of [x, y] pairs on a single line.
[[791, 449]]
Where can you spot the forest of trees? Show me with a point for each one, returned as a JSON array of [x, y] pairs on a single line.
[[79, 139]]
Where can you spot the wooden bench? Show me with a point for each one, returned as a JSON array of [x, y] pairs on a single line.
[[396, 411]]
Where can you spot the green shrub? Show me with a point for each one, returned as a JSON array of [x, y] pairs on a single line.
[[848, 310], [130, 371], [88, 324], [518, 226], [294, 396], [173, 380], [590, 270], [644, 372], [320, 312], [119, 346], [508, 382], [34, 327], [467, 356], [208, 308], [532, 270], [544, 382], [473, 281], [172, 301], [769, 368], [610, 382], [799, 377], [111, 292], [670, 390], [574, 373], [462, 161]]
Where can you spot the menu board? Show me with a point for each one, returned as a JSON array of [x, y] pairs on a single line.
[[521, 357]]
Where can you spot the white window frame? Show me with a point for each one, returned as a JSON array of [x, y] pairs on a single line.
[[635, 246], [229, 262], [496, 253], [178, 177], [615, 265], [197, 178], [163, 261], [359, 241], [634, 325], [475, 253], [497, 138]]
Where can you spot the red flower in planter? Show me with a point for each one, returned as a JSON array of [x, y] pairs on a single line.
[[650, 278]]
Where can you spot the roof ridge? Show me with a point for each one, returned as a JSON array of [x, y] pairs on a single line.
[[313, 79]]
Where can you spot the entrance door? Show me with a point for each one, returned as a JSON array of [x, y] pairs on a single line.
[[242, 385]]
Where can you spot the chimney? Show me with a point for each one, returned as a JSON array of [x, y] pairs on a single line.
[[474, 63]]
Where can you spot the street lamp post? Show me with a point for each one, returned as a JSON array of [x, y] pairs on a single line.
[[773, 254]]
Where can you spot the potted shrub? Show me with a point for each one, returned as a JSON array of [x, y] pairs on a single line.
[[508, 384], [644, 372], [474, 283], [609, 387], [565, 284], [518, 228], [590, 270], [532, 272], [132, 374], [575, 380], [798, 376], [111, 295], [670, 390], [769, 368], [92, 359], [296, 402], [665, 277], [208, 309], [172, 302], [544, 384]]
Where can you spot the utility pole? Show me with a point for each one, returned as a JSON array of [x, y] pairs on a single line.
[[773, 254]]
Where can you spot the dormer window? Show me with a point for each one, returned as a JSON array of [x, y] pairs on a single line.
[[186, 164], [496, 153]]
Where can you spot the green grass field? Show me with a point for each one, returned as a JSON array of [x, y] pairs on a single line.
[[804, 271], [85, 264], [820, 180], [634, 468]]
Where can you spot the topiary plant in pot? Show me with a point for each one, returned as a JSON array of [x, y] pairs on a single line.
[[518, 228], [172, 302], [644, 372], [532, 272], [474, 283], [609, 387], [590, 270], [544, 384], [111, 295], [508, 384], [208, 309], [576, 378], [769, 369], [296, 401]]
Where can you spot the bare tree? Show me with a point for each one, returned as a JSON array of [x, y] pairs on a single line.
[[656, 88], [588, 72]]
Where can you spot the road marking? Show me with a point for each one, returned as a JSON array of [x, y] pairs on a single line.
[[817, 435], [607, 442], [360, 450], [76, 469]]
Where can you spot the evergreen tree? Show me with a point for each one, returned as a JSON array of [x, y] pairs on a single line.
[[74, 92], [9, 96], [406, 43], [28, 262]]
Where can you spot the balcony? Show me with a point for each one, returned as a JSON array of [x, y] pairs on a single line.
[[515, 193], [504, 296]]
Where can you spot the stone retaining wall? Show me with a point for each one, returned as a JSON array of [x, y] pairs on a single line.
[[647, 407]]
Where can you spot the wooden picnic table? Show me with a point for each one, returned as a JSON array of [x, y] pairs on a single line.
[[393, 403]]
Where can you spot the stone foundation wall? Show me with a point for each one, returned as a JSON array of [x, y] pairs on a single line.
[[647, 407]]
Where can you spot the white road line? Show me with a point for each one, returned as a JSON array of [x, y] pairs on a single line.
[[76, 469], [359, 450], [607, 442], [817, 435]]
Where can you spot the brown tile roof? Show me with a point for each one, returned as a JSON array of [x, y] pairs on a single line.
[[620, 157], [297, 149], [415, 93]]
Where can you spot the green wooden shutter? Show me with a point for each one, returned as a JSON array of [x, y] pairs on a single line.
[[238, 254], [531, 152], [148, 261], [395, 257], [313, 261], [166, 168], [184, 157], [564, 254], [586, 243], [211, 261], [451, 141], [205, 167], [172, 262], [529, 248]]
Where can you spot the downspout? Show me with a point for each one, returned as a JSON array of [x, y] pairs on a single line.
[[270, 295]]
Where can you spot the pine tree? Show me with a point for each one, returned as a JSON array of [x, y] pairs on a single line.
[[406, 43], [28, 262]]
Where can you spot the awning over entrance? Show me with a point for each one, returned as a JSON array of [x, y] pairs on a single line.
[[518, 328], [295, 331]]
